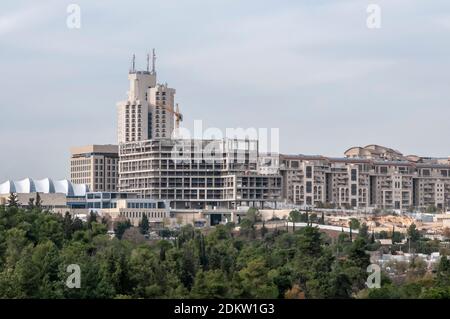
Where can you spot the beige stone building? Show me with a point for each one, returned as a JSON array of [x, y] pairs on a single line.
[[95, 166], [371, 176], [157, 212], [149, 111]]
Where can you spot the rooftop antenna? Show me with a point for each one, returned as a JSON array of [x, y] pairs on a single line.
[[133, 64], [153, 61], [148, 62]]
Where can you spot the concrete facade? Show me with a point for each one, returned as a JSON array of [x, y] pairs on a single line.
[[95, 166], [149, 111], [197, 174], [381, 179]]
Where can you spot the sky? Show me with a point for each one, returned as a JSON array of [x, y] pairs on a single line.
[[312, 69]]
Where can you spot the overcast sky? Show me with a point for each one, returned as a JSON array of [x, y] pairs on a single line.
[[310, 68]]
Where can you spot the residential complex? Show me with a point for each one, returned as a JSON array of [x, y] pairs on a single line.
[[95, 166], [236, 174], [368, 177]]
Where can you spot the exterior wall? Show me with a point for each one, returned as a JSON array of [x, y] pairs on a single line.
[[162, 100], [135, 209], [132, 114], [56, 202], [269, 164], [148, 112], [196, 174], [96, 166], [363, 183]]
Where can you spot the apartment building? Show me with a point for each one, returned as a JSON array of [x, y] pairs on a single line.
[[197, 174], [371, 176], [95, 166]]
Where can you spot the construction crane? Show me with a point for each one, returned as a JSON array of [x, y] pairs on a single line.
[[178, 115]]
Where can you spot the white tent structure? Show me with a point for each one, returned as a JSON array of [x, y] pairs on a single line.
[[45, 186]]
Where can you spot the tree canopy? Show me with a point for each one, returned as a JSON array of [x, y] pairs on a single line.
[[36, 247]]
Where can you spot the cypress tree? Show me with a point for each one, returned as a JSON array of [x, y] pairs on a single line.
[[13, 201], [38, 202], [144, 225], [31, 204]]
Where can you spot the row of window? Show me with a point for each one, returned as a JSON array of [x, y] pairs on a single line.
[[140, 214]]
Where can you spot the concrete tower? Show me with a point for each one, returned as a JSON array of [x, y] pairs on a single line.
[[148, 113]]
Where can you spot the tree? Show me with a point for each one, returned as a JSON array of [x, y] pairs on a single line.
[[372, 237], [13, 201], [121, 227], [255, 282], [310, 241], [211, 284], [253, 215], [443, 272], [358, 255], [396, 237], [38, 202], [144, 225], [413, 233], [354, 223], [91, 219], [294, 217], [188, 267], [31, 203], [294, 293], [264, 230], [67, 226], [364, 232]]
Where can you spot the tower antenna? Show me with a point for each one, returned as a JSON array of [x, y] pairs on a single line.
[[133, 64], [153, 61]]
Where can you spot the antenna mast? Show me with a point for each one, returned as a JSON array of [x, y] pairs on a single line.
[[153, 61], [133, 64]]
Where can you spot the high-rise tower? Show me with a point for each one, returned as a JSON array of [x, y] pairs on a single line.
[[148, 113]]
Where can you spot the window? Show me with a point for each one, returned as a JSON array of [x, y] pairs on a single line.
[[308, 172], [354, 174], [308, 187], [354, 191]]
